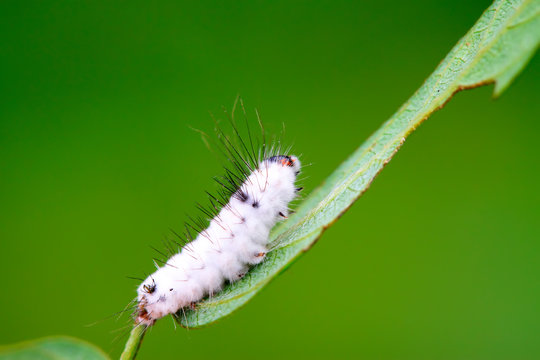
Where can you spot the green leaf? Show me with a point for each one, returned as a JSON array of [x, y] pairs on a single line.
[[52, 348], [495, 50]]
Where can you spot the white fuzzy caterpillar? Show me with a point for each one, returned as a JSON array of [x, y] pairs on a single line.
[[236, 238]]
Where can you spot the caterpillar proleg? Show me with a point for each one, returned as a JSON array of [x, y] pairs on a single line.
[[255, 195]]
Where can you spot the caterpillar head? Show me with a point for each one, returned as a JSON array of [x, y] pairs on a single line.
[[272, 187], [286, 161]]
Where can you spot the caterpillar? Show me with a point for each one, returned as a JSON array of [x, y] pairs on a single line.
[[255, 194]]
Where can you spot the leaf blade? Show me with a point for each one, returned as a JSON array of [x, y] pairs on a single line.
[[495, 50], [52, 348]]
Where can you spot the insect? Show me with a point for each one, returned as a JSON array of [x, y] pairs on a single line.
[[255, 194]]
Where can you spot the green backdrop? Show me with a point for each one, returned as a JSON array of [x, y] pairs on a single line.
[[439, 260]]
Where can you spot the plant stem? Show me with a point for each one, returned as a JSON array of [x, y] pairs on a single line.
[[134, 342]]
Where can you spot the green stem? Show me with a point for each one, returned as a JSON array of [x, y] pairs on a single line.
[[134, 342]]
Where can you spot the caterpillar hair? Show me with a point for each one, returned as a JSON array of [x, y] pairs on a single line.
[[254, 194]]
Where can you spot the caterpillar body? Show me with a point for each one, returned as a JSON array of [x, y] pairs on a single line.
[[235, 239]]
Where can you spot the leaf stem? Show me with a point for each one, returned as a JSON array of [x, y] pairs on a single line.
[[134, 342]]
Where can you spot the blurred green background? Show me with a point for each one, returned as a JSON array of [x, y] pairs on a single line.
[[439, 260]]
